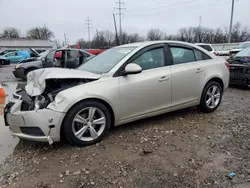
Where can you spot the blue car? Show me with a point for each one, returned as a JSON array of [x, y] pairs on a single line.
[[15, 57]]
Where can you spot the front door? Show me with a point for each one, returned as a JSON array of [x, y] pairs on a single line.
[[187, 76], [150, 91]]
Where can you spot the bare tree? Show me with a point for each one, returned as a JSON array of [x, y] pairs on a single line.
[[99, 40], [155, 34], [82, 43], [186, 34], [10, 32], [40, 33], [244, 34], [110, 37], [134, 37]]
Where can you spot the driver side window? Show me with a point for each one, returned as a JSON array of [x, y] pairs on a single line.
[[10, 54], [151, 59]]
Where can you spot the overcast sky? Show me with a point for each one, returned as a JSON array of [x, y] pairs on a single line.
[[68, 16]]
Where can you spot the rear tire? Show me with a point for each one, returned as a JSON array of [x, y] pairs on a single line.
[[82, 129], [211, 97]]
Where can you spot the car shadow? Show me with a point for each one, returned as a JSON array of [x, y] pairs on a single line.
[[159, 119], [241, 87]]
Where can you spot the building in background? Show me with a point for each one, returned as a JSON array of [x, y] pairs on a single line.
[[38, 45]]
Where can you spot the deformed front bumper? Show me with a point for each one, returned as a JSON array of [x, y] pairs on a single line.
[[38, 125]]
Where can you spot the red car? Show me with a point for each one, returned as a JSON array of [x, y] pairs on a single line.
[[91, 51]]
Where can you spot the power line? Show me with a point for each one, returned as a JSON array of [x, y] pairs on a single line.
[[191, 8], [163, 6], [88, 23], [120, 10]]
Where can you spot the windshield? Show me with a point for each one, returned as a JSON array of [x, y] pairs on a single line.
[[243, 46], [244, 53], [206, 47], [105, 61]]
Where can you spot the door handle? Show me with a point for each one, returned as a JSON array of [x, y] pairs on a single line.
[[199, 70], [164, 78]]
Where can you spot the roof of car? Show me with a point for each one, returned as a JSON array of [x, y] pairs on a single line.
[[146, 43], [60, 49], [202, 44]]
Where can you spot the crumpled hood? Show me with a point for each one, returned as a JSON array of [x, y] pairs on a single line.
[[36, 79]]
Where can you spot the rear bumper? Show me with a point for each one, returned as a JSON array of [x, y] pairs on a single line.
[[46, 120], [19, 73], [239, 75], [239, 79]]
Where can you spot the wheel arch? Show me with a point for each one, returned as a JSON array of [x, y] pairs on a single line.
[[216, 79], [91, 99]]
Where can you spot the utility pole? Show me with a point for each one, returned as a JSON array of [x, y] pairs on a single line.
[[231, 22], [65, 39], [200, 18], [116, 34], [120, 13], [88, 23]]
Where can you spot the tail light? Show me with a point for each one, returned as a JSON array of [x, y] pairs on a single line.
[[227, 65]]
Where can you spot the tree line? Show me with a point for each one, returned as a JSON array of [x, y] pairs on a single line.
[[42, 33], [187, 34], [102, 39]]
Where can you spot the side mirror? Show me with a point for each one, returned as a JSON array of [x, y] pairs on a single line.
[[132, 68], [43, 59]]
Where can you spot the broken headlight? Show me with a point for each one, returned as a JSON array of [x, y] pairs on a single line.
[[39, 102]]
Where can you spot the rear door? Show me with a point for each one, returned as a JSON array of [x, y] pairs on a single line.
[[188, 72]]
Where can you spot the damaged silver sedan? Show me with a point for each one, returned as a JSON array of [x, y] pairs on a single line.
[[121, 85]]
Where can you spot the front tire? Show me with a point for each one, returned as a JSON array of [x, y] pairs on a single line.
[[86, 123], [211, 97]]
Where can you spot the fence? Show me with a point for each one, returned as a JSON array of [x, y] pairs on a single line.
[[224, 46]]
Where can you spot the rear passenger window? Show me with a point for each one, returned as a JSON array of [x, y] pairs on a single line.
[[200, 55], [182, 55]]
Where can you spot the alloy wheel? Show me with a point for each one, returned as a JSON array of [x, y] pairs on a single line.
[[89, 124], [213, 96]]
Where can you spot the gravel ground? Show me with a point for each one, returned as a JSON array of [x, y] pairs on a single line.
[[180, 149]]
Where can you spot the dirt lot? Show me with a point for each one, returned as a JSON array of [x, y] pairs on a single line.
[[180, 149]]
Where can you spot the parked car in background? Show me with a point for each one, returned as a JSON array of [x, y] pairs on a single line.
[[120, 85], [15, 57], [95, 51], [238, 48], [91, 51], [4, 61], [69, 58], [207, 47], [240, 68], [222, 52], [4, 51]]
